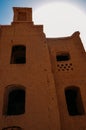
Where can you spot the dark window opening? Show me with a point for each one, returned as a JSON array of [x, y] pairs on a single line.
[[12, 128], [63, 57], [16, 102], [22, 16], [18, 54], [74, 101]]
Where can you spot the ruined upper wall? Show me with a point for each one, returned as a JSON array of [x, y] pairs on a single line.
[[71, 42]]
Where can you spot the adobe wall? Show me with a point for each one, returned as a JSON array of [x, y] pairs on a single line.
[[43, 76], [41, 108], [69, 73]]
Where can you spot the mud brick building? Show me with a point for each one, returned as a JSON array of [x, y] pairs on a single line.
[[42, 80]]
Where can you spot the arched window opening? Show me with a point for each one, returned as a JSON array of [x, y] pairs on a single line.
[[74, 101], [18, 55], [12, 128], [15, 101]]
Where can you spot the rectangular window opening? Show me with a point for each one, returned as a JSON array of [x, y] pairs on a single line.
[[63, 57], [18, 55], [74, 102]]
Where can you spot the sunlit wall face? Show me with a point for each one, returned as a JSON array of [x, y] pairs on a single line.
[[61, 19]]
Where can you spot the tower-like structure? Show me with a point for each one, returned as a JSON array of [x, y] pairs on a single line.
[[42, 80]]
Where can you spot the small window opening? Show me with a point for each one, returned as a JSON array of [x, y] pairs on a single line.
[[18, 55], [74, 101], [22, 16], [63, 57], [16, 102]]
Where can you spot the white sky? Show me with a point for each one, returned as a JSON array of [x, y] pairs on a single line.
[[61, 19]]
